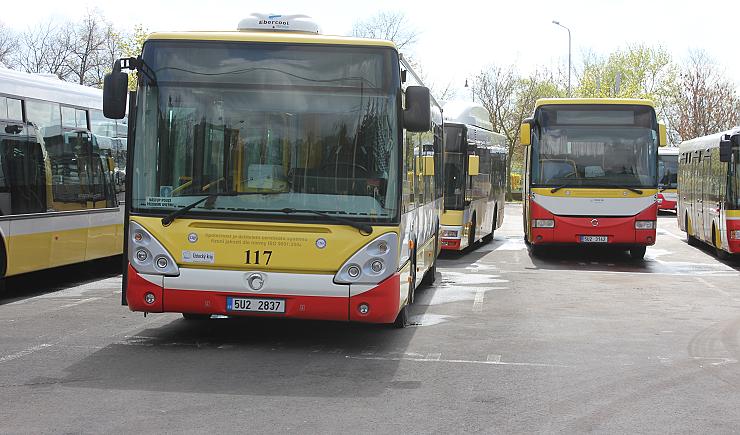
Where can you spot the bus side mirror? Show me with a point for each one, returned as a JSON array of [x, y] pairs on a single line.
[[662, 135], [525, 134], [473, 165], [115, 91], [418, 114], [725, 147]]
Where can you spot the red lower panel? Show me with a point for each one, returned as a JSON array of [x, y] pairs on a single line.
[[733, 225], [451, 244], [384, 301], [136, 288], [569, 229]]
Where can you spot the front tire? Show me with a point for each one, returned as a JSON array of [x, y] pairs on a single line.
[[471, 235], [638, 252]]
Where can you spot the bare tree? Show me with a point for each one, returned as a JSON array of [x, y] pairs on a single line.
[[92, 48], [8, 45], [389, 25], [45, 49], [707, 101]]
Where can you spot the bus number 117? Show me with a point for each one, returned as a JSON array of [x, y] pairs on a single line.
[[253, 257]]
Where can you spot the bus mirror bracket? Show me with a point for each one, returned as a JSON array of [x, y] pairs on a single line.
[[525, 132], [115, 85], [418, 114]]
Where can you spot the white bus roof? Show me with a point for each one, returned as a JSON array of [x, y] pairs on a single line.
[[465, 112], [705, 142], [35, 86]]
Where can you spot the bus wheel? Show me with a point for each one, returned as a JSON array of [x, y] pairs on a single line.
[[721, 254], [193, 316], [638, 252], [402, 320], [3, 266], [471, 235], [431, 274], [489, 237]]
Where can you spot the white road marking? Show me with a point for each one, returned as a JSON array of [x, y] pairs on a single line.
[[24, 352], [478, 302], [717, 289], [493, 357], [434, 356], [83, 301], [453, 361]]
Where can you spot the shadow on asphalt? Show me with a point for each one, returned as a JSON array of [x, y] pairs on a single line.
[[46, 281]]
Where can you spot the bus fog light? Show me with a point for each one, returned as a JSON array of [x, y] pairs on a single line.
[[149, 298], [162, 263], [543, 223], [353, 271], [138, 237], [142, 255], [363, 309], [644, 225], [377, 266]]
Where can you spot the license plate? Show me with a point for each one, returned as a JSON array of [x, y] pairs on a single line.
[[594, 239], [255, 305]]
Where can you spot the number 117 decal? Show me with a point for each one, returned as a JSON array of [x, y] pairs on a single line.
[[253, 257]]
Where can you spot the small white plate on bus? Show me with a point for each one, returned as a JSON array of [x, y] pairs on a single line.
[[255, 305], [594, 239]]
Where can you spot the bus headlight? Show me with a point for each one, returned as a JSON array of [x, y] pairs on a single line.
[[450, 233], [147, 255], [373, 263], [735, 234], [645, 225], [543, 223]]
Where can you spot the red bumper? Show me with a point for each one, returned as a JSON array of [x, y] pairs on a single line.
[[569, 229], [384, 302], [733, 226], [664, 204], [451, 244]]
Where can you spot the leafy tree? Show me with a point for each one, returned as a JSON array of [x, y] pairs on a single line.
[[131, 46]]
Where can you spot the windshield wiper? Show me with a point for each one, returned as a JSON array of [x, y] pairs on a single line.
[[364, 229], [563, 186], [181, 211], [631, 189]]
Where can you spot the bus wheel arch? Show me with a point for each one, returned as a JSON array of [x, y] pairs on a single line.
[[717, 243], [471, 231]]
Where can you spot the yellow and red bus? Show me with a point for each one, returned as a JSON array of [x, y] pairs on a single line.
[[667, 178], [709, 191], [590, 173], [475, 176], [58, 197], [275, 171]]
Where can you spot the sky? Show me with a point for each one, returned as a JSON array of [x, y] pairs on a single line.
[[456, 39]]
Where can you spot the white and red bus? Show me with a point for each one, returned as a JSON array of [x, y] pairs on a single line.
[[667, 178], [591, 173], [709, 191]]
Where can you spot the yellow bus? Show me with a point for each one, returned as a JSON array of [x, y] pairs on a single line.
[[591, 173], [58, 197], [275, 171], [709, 191], [475, 176]]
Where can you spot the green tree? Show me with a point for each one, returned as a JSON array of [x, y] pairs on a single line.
[[638, 71]]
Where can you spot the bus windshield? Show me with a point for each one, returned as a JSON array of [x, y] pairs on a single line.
[[454, 172], [595, 146], [269, 126], [667, 171]]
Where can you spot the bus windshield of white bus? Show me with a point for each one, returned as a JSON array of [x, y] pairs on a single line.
[[668, 171], [269, 127], [595, 146]]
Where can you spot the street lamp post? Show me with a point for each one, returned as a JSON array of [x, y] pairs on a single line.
[[557, 23]]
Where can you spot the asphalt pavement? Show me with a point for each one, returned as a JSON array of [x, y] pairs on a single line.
[[574, 340]]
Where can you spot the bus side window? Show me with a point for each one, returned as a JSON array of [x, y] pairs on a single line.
[[23, 187]]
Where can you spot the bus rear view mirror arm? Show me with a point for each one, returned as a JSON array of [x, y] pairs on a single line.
[[115, 85]]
